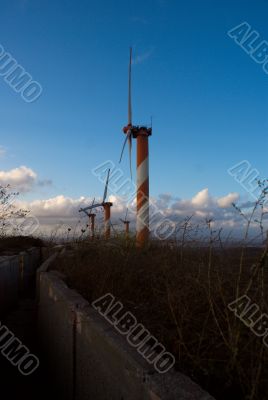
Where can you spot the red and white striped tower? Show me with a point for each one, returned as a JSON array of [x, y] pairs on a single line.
[[141, 133], [107, 219], [142, 227], [127, 228], [126, 223], [92, 224]]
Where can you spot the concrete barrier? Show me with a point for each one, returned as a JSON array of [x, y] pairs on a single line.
[[43, 268], [56, 323], [29, 262], [9, 282], [17, 275], [91, 360]]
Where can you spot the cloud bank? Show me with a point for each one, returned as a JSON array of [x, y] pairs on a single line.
[[65, 210]]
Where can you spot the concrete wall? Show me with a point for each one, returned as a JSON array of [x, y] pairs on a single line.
[[56, 322], [17, 274], [9, 282], [29, 262], [91, 360]]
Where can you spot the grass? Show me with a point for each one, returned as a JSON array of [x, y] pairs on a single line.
[[181, 295]]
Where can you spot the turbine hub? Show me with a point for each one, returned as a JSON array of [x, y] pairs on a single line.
[[127, 128]]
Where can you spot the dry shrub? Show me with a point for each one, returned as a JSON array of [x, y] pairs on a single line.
[[182, 297]]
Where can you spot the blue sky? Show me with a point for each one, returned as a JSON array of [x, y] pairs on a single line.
[[208, 98]]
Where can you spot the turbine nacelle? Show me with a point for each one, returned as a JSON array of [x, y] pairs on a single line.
[[124, 222], [137, 131]]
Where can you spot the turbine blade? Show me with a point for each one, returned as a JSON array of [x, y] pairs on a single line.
[[91, 207], [129, 89], [129, 140], [123, 148], [93, 202], [130, 151], [126, 214], [106, 186]]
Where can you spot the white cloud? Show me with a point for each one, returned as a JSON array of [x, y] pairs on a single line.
[[57, 207], [227, 201], [61, 207], [22, 179], [164, 199], [201, 199]]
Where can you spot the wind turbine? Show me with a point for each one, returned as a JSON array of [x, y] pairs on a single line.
[[107, 211], [126, 223], [141, 133], [92, 220]]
